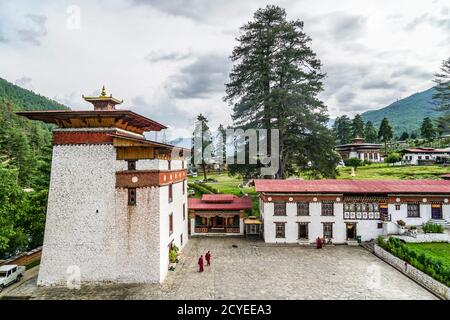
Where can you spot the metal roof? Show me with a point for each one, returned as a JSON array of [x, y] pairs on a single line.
[[238, 203], [353, 186]]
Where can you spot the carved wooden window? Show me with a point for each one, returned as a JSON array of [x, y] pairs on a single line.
[[327, 208], [328, 230], [131, 164], [170, 192], [397, 207], [279, 229], [413, 210], [170, 223], [303, 208], [132, 196], [303, 230], [279, 208]]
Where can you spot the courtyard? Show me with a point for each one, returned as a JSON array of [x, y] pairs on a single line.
[[245, 269]]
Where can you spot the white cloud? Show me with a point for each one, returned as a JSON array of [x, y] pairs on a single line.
[[169, 59]]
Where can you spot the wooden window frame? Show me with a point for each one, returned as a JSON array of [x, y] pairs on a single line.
[[184, 211], [276, 212], [278, 224], [184, 186], [169, 165], [397, 207], [170, 223], [299, 224], [131, 165], [325, 224], [132, 195], [170, 192], [409, 205], [322, 209], [300, 211]]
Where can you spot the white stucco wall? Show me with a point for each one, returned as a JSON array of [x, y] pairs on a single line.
[[90, 225], [81, 206], [180, 225], [402, 214], [367, 229]]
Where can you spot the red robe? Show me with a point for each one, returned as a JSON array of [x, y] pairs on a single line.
[[200, 264], [319, 243], [208, 259]]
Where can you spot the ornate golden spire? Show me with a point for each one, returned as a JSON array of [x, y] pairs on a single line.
[[103, 102]]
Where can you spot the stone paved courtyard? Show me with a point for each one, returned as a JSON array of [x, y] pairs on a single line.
[[255, 270]]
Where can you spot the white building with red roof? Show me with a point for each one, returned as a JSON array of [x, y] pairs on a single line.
[[214, 214], [300, 211], [117, 202], [418, 156]]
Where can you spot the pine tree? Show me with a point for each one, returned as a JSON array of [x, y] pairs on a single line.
[[385, 133], [203, 135], [404, 136], [427, 130], [274, 84], [370, 133], [358, 127], [442, 96], [342, 130]]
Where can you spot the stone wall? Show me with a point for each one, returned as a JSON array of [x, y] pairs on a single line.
[[425, 280], [425, 237]]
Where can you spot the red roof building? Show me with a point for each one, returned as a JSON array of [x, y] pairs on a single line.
[[218, 213]]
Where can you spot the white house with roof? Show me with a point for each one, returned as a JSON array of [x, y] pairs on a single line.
[[417, 156], [300, 211]]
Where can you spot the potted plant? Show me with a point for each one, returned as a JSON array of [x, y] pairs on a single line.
[[402, 225]]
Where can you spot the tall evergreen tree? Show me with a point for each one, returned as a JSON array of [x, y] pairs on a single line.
[[201, 133], [342, 130], [385, 133], [370, 133], [404, 136], [274, 84], [358, 127], [442, 96], [427, 130]]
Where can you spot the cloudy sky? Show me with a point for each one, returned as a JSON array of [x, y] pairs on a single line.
[[169, 59]]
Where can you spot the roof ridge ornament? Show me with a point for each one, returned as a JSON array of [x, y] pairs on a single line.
[[103, 101]]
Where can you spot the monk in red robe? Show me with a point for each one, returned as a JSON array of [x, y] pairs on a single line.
[[318, 243], [200, 264], [208, 258]]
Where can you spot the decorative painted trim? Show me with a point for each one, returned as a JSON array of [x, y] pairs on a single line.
[[148, 178], [81, 137]]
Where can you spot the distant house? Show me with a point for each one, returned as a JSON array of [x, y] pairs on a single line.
[[218, 214], [361, 150], [423, 156]]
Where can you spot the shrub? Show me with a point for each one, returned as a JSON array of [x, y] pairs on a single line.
[[173, 256], [401, 223], [207, 187], [393, 158], [433, 267], [199, 188], [353, 162], [432, 228], [367, 163]]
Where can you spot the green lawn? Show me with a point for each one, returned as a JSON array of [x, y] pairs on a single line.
[[435, 250], [384, 171]]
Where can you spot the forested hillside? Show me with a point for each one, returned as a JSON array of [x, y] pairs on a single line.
[[406, 115], [25, 155]]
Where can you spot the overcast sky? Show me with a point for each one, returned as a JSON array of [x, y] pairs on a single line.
[[169, 59]]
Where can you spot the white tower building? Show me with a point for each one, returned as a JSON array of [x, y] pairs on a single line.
[[117, 201]]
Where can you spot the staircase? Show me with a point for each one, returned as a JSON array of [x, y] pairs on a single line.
[[441, 222]]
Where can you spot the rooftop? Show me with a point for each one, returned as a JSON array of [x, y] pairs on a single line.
[[220, 202], [353, 186], [425, 150]]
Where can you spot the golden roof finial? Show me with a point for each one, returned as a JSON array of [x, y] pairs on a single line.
[[103, 94]]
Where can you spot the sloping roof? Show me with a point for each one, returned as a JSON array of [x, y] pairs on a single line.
[[238, 203], [218, 198], [425, 150], [53, 116], [353, 186]]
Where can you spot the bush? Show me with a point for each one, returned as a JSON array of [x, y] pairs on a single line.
[[393, 157], [173, 256], [432, 228], [367, 163], [199, 188], [207, 187], [433, 267], [401, 223], [353, 162]]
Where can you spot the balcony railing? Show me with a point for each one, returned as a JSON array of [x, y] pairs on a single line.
[[362, 216], [228, 229]]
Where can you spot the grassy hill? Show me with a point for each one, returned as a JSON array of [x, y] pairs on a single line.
[[405, 114]]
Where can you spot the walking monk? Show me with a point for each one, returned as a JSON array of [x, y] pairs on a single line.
[[200, 264], [208, 258]]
